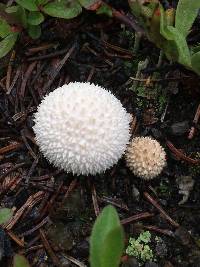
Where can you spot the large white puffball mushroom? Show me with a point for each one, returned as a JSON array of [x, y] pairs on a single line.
[[82, 128], [145, 157]]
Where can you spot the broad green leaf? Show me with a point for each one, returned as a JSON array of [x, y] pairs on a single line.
[[20, 261], [164, 24], [35, 18], [65, 9], [136, 7], [34, 31], [107, 239], [176, 39], [5, 28], [143, 11], [196, 62], [153, 30], [28, 4], [88, 3], [5, 214], [19, 13], [105, 9], [182, 47], [186, 12], [42, 2], [11, 9], [7, 44]]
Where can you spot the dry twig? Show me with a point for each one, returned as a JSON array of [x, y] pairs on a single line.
[[49, 250], [161, 210], [137, 217]]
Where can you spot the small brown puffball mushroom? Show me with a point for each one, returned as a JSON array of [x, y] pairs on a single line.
[[145, 157]]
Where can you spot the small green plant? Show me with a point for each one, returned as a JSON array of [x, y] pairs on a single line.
[[168, 29], [30, 14], [5, 215], [163, 189], [20, 261], [140, 249], [107, 239]]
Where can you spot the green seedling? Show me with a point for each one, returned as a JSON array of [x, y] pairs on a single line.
[[107, 239], [168, 29], [30, 14]]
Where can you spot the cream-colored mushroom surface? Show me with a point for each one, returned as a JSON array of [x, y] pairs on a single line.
[[145, 157]]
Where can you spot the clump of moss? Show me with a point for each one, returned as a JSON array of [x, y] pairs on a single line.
[[140, 249]]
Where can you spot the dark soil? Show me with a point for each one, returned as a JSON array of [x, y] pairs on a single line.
[[60, 209]]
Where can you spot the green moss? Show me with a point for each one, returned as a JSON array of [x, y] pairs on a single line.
[[140, 248]]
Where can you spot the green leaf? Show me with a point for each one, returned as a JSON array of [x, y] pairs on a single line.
[[88, 3], [34, 31], [28, 4], [182, 47], [7, 44], [105, 9], [5, 213], [65, 9], [186, 12], [41, 2], [143, 11], [196, 62], [11, 9], [5, 28], [35, 18], [176, 42], [19, 13], [107, 239], [20, 261]]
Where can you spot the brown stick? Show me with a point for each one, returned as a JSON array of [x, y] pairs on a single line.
[[180, 155], [35, 228], [26, 77], [32, 200], [161, 210], [195, 121], [159, 230], [15, 238], [95, 201], [9, 70], [137, 217], [118, 15], [9, 148], [71, 187], [49, 250], [12, 169], [59, 67]]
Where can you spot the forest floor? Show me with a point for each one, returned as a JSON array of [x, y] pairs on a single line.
[[54, 211]]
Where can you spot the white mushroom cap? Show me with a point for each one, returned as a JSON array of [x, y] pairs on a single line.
[[82, 128], [145, 157]]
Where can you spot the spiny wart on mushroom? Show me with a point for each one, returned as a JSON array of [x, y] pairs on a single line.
[[145, 157], [82, 128]]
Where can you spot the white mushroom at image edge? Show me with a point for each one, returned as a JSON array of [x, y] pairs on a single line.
[[145, 157], [82, 128]]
